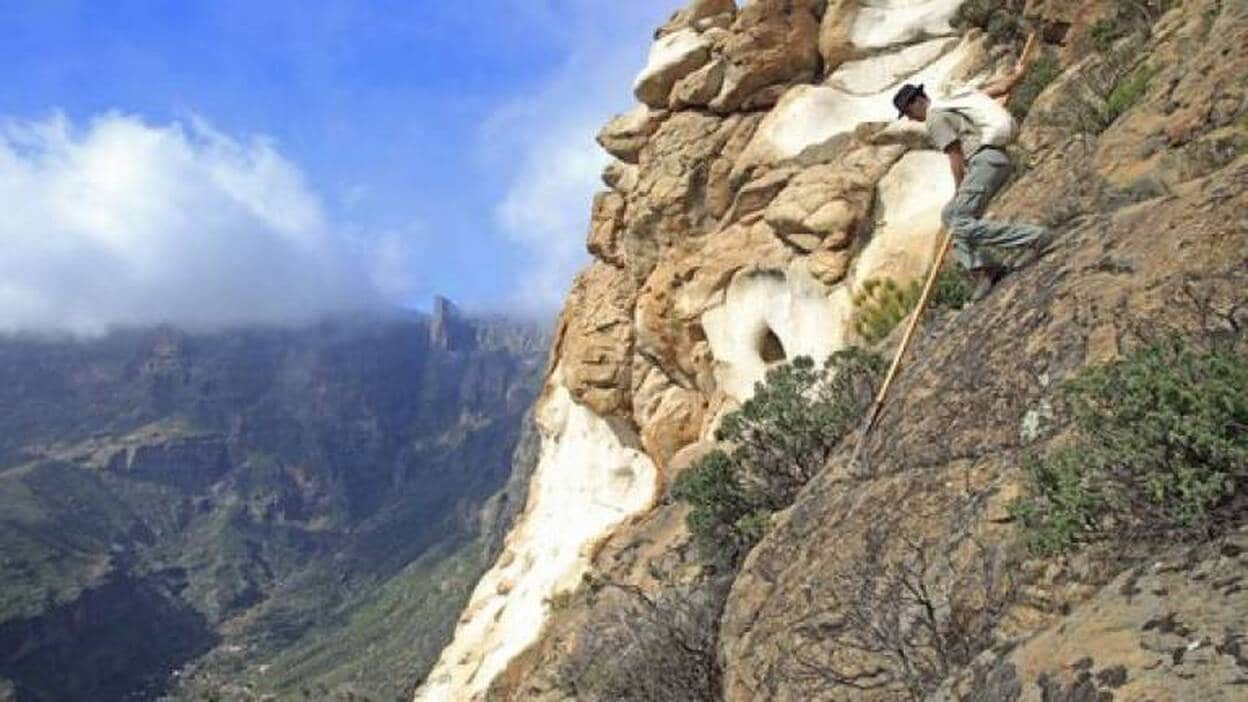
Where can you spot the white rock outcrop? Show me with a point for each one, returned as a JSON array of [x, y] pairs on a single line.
[[885, 23], [869, 76], [587, 480], [903, 244], [811, 116], [763, 307]]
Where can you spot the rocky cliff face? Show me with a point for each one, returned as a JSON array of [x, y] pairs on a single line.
[[260, 510], [758, 187]]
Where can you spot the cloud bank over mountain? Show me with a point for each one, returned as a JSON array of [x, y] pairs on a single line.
[[122, 222]]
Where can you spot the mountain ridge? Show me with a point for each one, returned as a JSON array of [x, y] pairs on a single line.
[[257, 485]]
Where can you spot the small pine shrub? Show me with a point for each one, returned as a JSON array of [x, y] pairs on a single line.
[[1160, 447], [776, 442], [1004, 27], [1042, 73], [1128, 17], [1104, 32], [1000, 20], [978, 13], [882, 305], [953, 288], [1127, 93]]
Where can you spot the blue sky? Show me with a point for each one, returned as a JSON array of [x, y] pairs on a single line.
[[448, 145]]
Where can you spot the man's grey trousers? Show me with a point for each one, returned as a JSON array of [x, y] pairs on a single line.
[[986, 171]]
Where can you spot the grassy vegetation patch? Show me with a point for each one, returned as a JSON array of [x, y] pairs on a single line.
[[1126, 17], [778, 441], [1041, 75], [1127, 93], [1104, 32], [881, 305], [953, 288], [1000, 20], [1160, 447]]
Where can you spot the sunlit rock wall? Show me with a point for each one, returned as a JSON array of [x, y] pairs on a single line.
[[762, 179], [587, 480]]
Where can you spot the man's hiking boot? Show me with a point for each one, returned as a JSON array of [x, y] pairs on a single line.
[[1034, 251], [985, 278]]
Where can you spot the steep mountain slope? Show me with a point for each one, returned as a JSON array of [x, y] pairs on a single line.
[[286, 509], [759, 189]]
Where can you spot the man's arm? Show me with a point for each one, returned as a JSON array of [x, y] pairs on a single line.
[[1002, 87], [957, 161]]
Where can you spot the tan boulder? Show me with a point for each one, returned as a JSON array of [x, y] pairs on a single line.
[[700, 15], [773, 43], [594, 339], [817, 203], [758, 194], [678, 183], [910, 198], [672, 57], [835, 42], [620, 177], [827, 205], [606, 221], [671, 303], [720, 189], [828, 266], [626, 134], [700, 87], [670, 416]]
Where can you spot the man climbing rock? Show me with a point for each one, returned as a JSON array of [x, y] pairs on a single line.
[[973, 129]]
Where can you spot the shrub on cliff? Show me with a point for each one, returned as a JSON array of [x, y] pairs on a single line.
[[1160, 448], [777, 441], [1042, 73], [1126, 93], [882, 305], [1125, 18], [652, 647], [1000, 20]]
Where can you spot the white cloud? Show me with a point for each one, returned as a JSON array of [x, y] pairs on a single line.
[[121, 222], [391, 259], [546, 139]]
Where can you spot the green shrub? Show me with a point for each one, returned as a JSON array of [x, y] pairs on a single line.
[[1104, 32], [1160, 446], [1000, 20], [1071, 505], [978, 13], [1128, 17], [953, 288], [723, 520], [882, 305], [1042, 73], [1004, 27], [777, 441], [1127, 93]]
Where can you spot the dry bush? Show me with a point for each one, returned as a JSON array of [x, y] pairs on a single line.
[[900, 622]]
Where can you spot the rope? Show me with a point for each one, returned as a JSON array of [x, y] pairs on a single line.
[[877, 407]]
